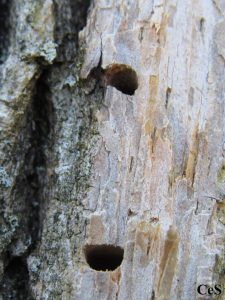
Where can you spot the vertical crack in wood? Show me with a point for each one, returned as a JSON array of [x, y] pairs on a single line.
[[5, 28]]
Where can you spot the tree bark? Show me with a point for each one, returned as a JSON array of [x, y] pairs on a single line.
[[112, 170]]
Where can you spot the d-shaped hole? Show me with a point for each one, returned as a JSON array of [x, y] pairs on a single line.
[[103, 257], [122, 77]]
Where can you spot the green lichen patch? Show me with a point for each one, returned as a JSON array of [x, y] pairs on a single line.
[[221, 174], [5, 179], [48, 52], [221, 212], [8, 224]]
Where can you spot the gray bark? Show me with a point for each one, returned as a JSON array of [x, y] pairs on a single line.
[[112, 180]]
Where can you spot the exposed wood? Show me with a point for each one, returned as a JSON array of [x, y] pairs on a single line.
[[112, 140]]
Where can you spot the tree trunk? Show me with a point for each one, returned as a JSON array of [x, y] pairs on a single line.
[[112, 171]]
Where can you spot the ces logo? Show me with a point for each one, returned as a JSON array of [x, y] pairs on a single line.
[[204, 289]]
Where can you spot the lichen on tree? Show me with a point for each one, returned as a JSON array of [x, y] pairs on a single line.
[[111, 149]]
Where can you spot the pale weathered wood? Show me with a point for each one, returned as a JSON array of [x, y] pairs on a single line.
[[96, 165]]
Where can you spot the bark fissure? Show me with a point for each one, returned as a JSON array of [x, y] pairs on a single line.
[[30, 187], [131, 101], [70, 18], [15, 280], [5, 27], [35, 176], [41, 126]]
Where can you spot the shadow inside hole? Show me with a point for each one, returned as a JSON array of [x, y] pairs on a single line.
[[103, 257], [122, 77]]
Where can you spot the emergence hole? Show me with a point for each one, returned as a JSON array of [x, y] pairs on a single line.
[[122, 77], [103, 257]]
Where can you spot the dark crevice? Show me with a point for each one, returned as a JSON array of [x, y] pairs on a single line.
[[30, 193], [103, 257], [79, 11], [5, 28], [42, 119], [70, 16], [33, 183], [14, 283], [33, 176]]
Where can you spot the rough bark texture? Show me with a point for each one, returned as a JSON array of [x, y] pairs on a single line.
[[112, 134]]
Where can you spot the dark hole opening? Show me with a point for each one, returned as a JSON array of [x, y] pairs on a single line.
[[168, 92], [103, 257], [122, 77], [202, 24]]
